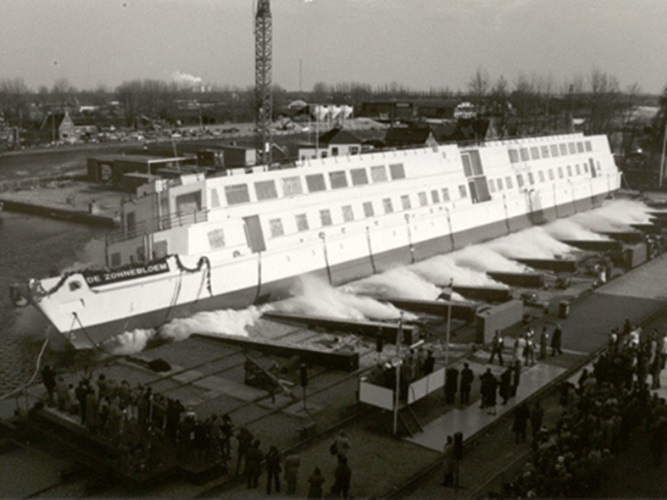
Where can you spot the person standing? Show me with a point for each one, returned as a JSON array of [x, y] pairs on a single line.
[[497, 346], [493, 394], [544, 342], [342, 479], [343, 446], [448, 460], [244, 439], [556, 341], [536, 418], [505, 384], [451, 383], [521, 416], [254, 464], [467, 378], [292, 463], [316, 484], [49, 380], [273, 469], [516, 377]]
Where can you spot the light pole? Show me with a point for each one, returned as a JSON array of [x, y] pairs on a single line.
[[397, 365]]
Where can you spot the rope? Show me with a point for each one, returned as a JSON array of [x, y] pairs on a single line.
[[37, 366]]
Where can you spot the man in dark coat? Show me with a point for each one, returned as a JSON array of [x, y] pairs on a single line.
[[342, 479], [536, 418], [254, 464], [556, 340], [49, 379], [451, 383], [467, 378], [516, 377], [521, 416], [505, 385], [244, 438], [273, 469]]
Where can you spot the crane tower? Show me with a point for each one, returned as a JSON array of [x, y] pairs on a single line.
[[263, 93]]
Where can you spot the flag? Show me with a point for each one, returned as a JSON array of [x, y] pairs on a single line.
[[447, 292]]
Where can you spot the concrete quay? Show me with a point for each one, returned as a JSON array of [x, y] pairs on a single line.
[[208, 376]]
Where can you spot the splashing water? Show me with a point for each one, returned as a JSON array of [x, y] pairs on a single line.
[[312, 295], [130, 342], [441, 269], [399, 282], [531, 243], [220, 322], [569, 229]]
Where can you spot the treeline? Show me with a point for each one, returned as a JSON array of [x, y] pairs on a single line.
[[534, 103]]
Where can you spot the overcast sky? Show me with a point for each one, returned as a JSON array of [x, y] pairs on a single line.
[[419, 43]]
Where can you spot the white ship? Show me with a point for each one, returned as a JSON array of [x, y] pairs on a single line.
[[226, 242]]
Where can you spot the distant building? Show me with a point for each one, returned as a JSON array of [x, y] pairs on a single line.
[[388, 111], [60, 126], [114, 169], [335, 142]]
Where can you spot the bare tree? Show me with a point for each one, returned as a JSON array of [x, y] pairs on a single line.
[[479, 86], [13, 100]]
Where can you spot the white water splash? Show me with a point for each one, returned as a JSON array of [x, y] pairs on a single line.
[[130, 342], [441, 269], [314, 296], [569, 229], [531, 243], [399, 283], [219, 322]]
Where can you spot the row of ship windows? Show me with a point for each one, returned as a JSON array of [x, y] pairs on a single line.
[[542, 175], [368, 208], [292, 186], [551, 151]]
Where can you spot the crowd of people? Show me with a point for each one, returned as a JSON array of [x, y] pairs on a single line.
[[599, 415], [145, 428]]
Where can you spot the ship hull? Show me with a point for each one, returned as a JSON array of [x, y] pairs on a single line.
[[95, 335]]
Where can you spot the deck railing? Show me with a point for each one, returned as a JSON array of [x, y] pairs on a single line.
[[157, 224]]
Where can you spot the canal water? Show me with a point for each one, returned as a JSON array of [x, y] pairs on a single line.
[[34, 247]]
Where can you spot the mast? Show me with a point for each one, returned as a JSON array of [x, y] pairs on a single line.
[[263, 95]]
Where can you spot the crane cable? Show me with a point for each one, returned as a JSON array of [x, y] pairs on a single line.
[[34, 375]]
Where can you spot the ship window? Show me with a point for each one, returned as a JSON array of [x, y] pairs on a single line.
[[554, 150], [388, 207], [588, 146], [237, 193], [215, 199], [266, 190], [519, 180], [397, 171], [563, 149], [476, 163], [569, 170], [276, 226], [545, 151], [508, 182], [467, 166], [445, 194], [301, 222], [560, 172], [577, 168], [338, 179], [325, 217], [462, 191], [580, 147], [216, 239], [572, 148], [368, 209], [531, 179], [499, 183], [359, 176], [492, 187], [524, 154], [115, 259], [348, 214], [160, 249], [315, 183], [189, 203], [435, 196], [534, 153], [292, 186], [540, 174], [405, 202], [354, 150], [379, 174], [334, 151], [514, 156], [423, 199], [551, 174]]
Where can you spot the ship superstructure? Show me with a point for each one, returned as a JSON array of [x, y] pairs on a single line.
[[219, 242]]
